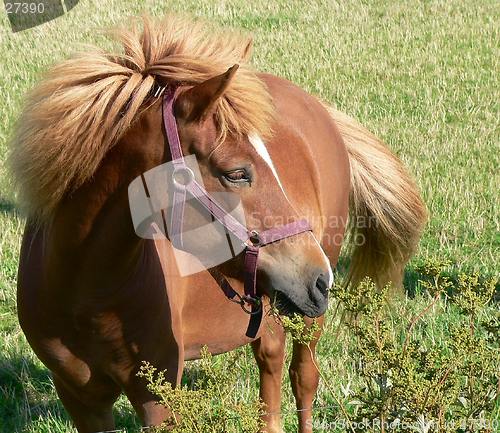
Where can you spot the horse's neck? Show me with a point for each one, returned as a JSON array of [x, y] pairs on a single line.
[[92, 231]]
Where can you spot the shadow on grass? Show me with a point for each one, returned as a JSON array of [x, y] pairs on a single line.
[[8, 207], [27, 396], [411, 281]]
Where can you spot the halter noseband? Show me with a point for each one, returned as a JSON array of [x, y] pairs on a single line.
[[184, 183]]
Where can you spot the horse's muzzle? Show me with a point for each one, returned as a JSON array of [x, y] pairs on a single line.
[[310, 300]]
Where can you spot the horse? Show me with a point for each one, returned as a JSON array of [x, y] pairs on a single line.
[[95, 299]]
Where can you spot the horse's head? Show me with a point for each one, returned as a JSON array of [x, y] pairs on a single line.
[[294, 271]]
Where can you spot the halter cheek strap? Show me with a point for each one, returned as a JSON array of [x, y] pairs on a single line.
[[185, 183]]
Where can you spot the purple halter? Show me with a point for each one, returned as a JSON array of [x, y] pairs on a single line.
[[185, 183]]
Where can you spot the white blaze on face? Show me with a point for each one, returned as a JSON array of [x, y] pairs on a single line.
[[261, 150], [328, 265]]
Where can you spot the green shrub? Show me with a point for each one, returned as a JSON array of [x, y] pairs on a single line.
[[408, 380], [211, 406]]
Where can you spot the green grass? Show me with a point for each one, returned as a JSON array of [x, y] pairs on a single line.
[[422, 76]]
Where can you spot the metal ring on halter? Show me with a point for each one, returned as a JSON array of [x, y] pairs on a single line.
[[243, 300], [256, 301], [254, 238], [182, 177]]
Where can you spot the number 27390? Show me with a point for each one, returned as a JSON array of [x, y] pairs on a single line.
[[24, 8]]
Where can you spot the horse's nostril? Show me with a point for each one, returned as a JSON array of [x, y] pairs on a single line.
[[322, 284]]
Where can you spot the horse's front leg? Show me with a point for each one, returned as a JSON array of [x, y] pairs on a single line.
[[145, 404], [304, 377], [269, 352], [164, 352], [91, 409]]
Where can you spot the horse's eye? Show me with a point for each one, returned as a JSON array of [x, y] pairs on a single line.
[[237, 176]]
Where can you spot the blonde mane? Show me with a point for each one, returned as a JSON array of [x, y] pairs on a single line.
[[85, 104]]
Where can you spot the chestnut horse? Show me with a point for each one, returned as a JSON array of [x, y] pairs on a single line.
[[95, 299]]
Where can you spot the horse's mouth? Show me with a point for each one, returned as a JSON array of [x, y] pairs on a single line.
[[285, 306], [288, 307]]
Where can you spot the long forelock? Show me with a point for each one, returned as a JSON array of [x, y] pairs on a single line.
[[85, 104]]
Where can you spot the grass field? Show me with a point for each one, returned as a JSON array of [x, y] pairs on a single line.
[[424, 76]]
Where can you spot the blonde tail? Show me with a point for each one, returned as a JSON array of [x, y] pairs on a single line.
[[387, 214]]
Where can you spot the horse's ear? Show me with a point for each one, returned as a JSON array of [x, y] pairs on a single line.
[[195, 103]]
